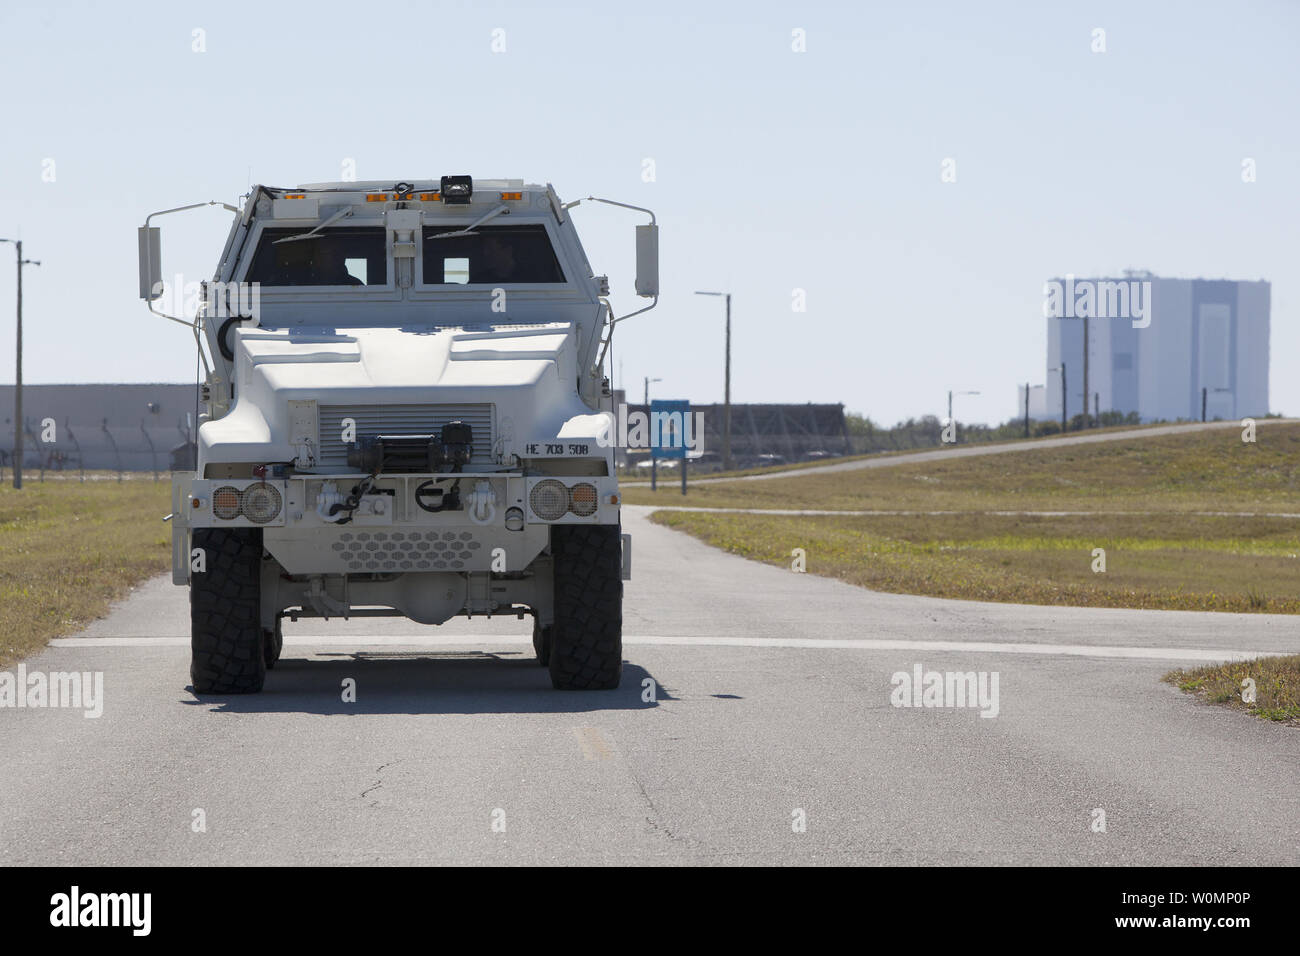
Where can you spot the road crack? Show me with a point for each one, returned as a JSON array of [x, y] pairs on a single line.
[[654, 819], [378, 784]]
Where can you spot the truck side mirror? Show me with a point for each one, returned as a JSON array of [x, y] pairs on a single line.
[[150, 263], [647, 260]]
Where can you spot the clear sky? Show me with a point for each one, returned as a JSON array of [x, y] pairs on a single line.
[[774, 170]]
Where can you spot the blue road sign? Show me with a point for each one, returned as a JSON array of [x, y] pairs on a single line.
[[670, 421]]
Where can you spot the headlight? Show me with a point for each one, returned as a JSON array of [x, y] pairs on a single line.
[[549, 499], [225, 502], [515, 519], [261, 503], [582, 499]]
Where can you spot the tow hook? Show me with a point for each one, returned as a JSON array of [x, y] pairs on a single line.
[[482, 502]]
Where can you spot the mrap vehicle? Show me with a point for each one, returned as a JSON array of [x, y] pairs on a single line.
[[403, 414]]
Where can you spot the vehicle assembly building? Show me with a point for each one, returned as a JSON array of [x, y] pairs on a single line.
[[1163, 348]]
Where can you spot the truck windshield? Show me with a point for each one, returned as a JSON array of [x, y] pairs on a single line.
[[491, 255], [335, 256]]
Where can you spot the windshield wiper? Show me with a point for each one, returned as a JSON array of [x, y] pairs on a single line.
[[469, 230], [342, 213]]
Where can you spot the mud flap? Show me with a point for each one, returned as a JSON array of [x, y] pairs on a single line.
[[181, 483]]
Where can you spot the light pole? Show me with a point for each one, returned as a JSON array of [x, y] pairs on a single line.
[[1205, 394], [951, 393], [1061, 368], [726, 393], [18, 374], [647, 392], [1085, 373]]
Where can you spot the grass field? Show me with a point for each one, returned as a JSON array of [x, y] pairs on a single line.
[[1197, 471], [1162, 556], [667, 476], [68, 550], [1277, 686]]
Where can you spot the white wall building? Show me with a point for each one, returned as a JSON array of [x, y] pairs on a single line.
[[1154, 344], [1037, 403]]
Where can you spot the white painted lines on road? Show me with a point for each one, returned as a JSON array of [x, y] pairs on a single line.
[[704, 640], [978, 647], [322, 640]]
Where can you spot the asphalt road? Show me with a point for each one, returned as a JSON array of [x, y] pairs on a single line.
[[772, 705]]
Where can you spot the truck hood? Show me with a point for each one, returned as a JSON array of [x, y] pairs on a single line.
[[528, 372]]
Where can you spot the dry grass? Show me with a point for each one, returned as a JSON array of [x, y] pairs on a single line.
[[634, 477], [1202, 564], [1162, 555], [1277, 686], [68, 550], [1197, 471]]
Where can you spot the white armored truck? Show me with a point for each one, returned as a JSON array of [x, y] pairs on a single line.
[[404, 413]]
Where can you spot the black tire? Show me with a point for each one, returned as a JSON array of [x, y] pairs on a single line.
[[587, 636], [542, 643], [272, 644], [227, 653]]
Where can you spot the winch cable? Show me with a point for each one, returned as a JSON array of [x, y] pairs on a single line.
[[353, 500], [449, 499]]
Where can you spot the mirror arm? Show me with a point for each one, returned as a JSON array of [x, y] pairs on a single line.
[[195, 205], [149, 302], [198, 344], [193, 325], [648, 212], [613, 321], [609, 312], [655, 300]]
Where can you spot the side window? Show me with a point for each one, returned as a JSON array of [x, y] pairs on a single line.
[[493, 255], [358, 269], [333, 257], [455, 271]]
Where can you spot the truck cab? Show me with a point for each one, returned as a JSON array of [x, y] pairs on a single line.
[[404, 413]]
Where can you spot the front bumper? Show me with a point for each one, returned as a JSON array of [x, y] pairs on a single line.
[[390, 533]]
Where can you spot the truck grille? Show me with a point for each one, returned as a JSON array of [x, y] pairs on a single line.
[[401, 420], [414, 550]]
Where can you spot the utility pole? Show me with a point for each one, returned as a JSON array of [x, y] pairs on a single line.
[[1205, 394], [648, 380], [18, 374], [1086, 423], [726, 388], [1064, 419], [1026, 409], [951, 393], [726, 397]]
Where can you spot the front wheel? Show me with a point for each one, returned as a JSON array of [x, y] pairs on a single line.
[[587, 637], [273, 644], [227, 652], [542, 643]]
